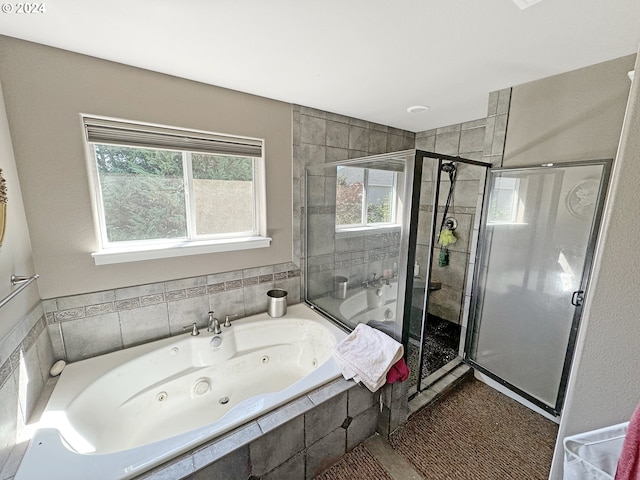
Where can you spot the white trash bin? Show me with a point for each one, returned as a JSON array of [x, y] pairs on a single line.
[[594, 455]]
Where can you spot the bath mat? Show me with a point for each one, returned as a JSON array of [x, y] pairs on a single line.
[[477, 433]]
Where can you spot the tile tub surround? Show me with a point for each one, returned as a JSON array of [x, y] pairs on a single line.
[[184, 363], [26, 356], [83, 326], [298, 440]]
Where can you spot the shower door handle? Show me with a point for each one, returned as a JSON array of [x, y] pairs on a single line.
[[577, 298]]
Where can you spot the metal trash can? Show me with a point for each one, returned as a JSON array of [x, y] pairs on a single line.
[[340, 284], [594, 455], [277, 302]]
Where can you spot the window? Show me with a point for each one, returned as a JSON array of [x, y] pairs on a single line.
[[174, 191], [365, 197], [505, 204]]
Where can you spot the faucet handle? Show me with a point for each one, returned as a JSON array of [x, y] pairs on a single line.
[[227, 322], [194, 329]]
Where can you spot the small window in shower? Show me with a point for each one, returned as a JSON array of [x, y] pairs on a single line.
[[505, 203], [365, 197]]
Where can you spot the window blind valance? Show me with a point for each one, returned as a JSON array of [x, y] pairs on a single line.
[[116, 132]]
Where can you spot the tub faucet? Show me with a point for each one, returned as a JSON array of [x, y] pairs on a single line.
[[375, 281], [213, 325]]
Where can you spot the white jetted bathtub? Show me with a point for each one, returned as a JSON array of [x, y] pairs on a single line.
[[120, 414]]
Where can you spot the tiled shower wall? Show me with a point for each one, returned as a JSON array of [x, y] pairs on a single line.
[[483, 140], [465, 140], [25, 358]]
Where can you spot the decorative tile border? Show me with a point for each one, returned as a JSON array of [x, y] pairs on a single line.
[[54, 315], [24, 334], [25, 358]]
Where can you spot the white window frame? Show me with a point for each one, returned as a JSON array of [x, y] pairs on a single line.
[[364, 214], [193, 244], [516, 207]]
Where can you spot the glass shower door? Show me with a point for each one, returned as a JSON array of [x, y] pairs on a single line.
[[537, 245]]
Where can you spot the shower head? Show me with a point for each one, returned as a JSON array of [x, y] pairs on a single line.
[[448, 167]]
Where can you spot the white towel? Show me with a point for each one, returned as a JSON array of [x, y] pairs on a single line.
[[366, 355]]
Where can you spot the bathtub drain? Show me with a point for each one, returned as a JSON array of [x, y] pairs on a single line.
[[162, 396], [265, 359], [224, 400]]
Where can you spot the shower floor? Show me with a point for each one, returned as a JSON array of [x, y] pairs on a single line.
[[441, 342]]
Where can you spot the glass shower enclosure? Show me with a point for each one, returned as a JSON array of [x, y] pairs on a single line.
[[537, 241], [372, 249]]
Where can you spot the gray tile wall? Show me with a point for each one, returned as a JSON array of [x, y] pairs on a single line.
[[496, 132], [322, 137], [465, 140], [26, 355], [483, 140], [87, 325], [297, 441]]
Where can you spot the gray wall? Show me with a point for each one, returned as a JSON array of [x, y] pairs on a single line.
[[16, 256], [25, 348], [46, 90], [574, 116]]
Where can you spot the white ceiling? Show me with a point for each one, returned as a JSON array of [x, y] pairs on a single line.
[[369, 59]]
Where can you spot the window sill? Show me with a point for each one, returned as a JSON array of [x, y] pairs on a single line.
[[179, 249], [358, 231]]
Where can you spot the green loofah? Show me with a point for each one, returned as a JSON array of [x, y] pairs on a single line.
[[447, 237]]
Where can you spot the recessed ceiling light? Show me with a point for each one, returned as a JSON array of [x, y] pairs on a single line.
[[525, 3], [418, 108]]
